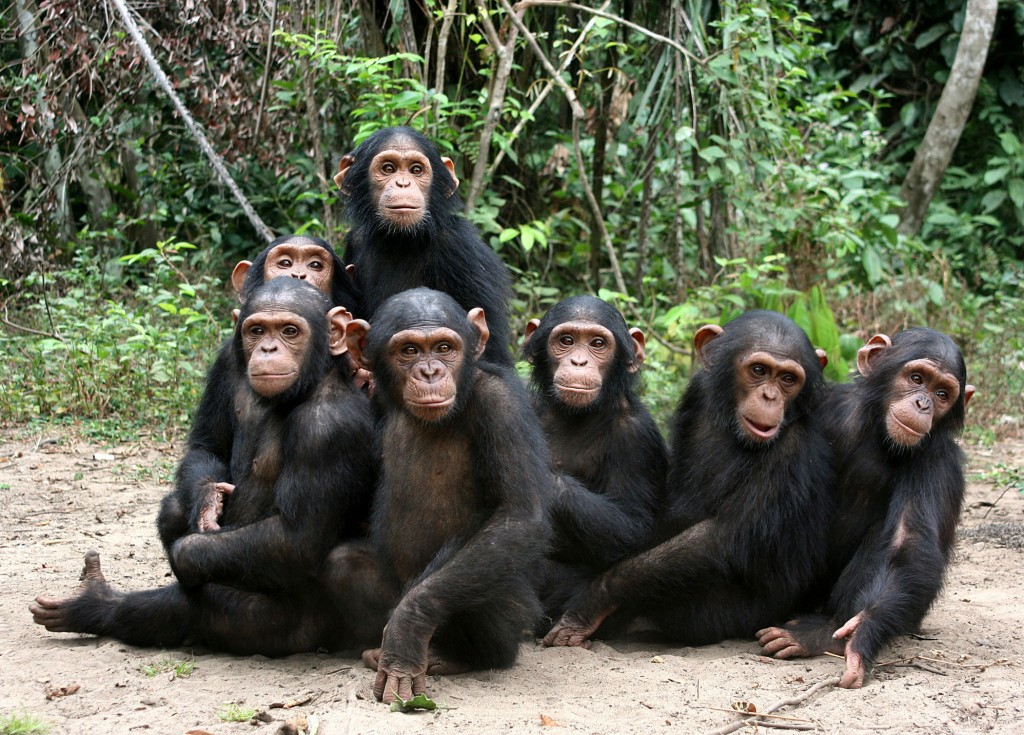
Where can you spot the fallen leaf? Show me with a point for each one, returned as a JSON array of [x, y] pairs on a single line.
[[546, 721], [52, 692]]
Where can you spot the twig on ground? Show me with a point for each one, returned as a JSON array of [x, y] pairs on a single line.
[[756, 717]]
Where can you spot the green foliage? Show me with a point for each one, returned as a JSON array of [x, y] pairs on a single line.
[[177, 668], [420, 701], [235, 712], [23, 724], [128, 338]]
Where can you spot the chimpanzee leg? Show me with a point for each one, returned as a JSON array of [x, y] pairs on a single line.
[[486, 636], [159, 617], [172, 521], [362, 587]]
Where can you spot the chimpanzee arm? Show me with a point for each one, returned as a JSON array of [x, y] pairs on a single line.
[[208, 451], [600, 527], [324, 474]]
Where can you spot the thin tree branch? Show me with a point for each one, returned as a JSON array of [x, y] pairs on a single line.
[[266, 71], [197, 132], [617, 19], [756, 719]]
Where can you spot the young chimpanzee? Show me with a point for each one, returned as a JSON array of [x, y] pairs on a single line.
[[609, 454], [459, 520], [204, 478], [901, 485], [303, 467], [408, 231], [749, 476]]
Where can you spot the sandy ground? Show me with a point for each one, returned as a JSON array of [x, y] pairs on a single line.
[[60, 497]]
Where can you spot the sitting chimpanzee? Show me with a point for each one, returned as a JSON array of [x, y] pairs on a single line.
[[459, 521], [407, 230], [204, 476], [901, 485], [303, 467], [749, 476], [609, 454]]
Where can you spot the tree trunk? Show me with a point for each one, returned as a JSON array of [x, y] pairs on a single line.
[[936, 150]]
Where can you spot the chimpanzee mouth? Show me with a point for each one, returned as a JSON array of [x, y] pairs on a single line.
[[904, 427], [761, 432]]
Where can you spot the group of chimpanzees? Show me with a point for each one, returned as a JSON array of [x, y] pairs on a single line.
[[455, 511]]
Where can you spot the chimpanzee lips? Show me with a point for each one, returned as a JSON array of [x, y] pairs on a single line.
[[758, 431]]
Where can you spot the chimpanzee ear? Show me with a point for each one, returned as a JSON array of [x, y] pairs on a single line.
[[968, 392], [355, 339], [235, 313], [870, 352], [639, 349], [451, 169], [338, 320], [531, 327], [238, 275], [822, 357], [343, 166], [700, 340], [479, 321]]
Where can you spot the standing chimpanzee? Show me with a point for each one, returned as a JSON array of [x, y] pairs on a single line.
[[901, 485], [408, 231], [749, 477], [303, 467], [204, 478], [459, 519], [607, 449]]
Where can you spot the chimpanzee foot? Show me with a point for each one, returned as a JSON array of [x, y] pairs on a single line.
[[781, 643], [52, 612], [574, 629], [371, 657]]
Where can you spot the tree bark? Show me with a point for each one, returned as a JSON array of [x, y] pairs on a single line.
[[947, 124]]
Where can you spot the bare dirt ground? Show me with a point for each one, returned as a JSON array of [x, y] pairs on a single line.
[[60, 497]]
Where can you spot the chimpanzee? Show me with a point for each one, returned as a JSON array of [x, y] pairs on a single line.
[[204, 478], [459, 519], [900, 488], [609, 454], [304, 472], [748, 481], [407, 230]]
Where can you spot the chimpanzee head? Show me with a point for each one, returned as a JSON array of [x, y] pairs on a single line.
[[584, 357], [760, 374], [396, 183], [916, 386], [422, 351], [302, 257], [286, 338]]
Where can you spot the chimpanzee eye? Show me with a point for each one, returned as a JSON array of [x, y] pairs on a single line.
[[290, 331], [388, 168], [316, 265], [916, 378], [409, 350], [284, 263], [942, 395], [257, 331], [597, 343], [566, 340], [443, 348], [416, 169], [759, 370], [789, 379]]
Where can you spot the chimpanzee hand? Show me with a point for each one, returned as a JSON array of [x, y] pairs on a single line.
[[212, 506], [402, 666]]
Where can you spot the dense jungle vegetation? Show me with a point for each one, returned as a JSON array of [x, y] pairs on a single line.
[[685, 160]]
